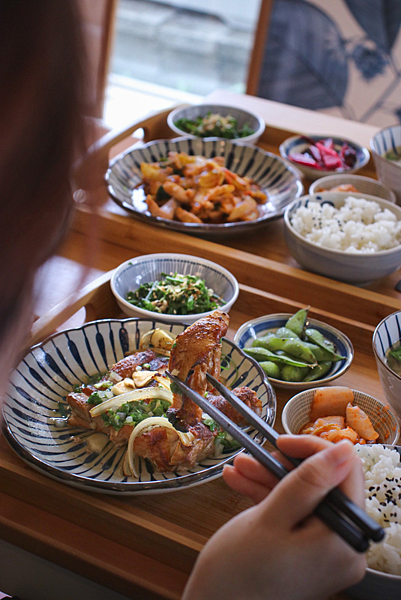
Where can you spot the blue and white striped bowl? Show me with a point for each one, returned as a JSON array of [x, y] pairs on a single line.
[[50, 371], [149, 267], [388, 171], [243, 117], [280, 181], [386, 334], [249, 331]]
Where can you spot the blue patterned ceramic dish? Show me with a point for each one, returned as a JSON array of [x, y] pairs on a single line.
[[297, 143], [355, 268], [249, 331], [243, 117], [388, 171], [49, 372], [148, 268], [386, 334], [271, 173], [296, 414]]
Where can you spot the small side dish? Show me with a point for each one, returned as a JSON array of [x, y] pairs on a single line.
[[334, 417], [324, 155], [295, 352], [196, 189], [214, 125], [175, 294]]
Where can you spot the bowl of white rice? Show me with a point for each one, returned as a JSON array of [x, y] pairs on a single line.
[[382, 467], [351, 237]]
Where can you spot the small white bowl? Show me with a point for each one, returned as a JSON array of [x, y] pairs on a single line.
[[364, 185], [297, 143], [354, 268], [296, 414], [147, 268], [386, 334], [242, 116], [256, 328], [388, 171]]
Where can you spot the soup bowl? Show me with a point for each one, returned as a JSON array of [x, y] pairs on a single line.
[[386, 334], [388, 171]]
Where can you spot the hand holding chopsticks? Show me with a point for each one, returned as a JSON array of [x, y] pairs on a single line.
[[337, 511]]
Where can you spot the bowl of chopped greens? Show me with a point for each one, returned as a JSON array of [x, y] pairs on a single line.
[[218, 121], [173, 287]]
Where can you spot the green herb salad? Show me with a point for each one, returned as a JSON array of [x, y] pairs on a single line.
[[214, 125]]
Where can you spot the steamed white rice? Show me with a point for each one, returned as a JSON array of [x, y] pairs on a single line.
[[359, 226], [383, 503]]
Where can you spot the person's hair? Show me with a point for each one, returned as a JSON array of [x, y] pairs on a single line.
[[42, 102]]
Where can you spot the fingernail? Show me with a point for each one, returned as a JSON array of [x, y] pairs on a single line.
[[340, 452]]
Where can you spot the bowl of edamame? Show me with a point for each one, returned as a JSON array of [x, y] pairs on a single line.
[[296, 351]]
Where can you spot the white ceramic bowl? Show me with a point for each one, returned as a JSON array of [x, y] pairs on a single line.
[[297, 143], [256, 328], [357, 269], [364, 185], [243, 117], [388, 171], [296, 414], [386, 334], [147, 268]]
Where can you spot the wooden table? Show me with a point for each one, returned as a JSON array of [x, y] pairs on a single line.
[[145, 547]]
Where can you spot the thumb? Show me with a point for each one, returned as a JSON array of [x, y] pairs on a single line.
[[298, 494]]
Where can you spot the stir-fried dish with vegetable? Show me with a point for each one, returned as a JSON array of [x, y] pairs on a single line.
[[175, 294], [214, 125], [136, 405], [195, 189]]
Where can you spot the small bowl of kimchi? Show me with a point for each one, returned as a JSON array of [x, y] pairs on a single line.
[[336, 413]]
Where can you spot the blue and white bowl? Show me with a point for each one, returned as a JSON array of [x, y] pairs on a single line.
[[50, 371], [148, 268], [386, 334], [256, 328], [388, 171], [279, 181], [354, 268], [242, 116], [297, 143]]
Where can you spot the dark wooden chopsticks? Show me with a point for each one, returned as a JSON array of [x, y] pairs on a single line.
[[337, 510]]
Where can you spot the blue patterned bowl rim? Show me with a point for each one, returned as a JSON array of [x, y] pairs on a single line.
[[134, 488], [384, 141], [232, 283], [378, 343]]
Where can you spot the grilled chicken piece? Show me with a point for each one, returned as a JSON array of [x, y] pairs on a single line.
[[164, 448], [197, 348], [246, 395], [125, 366], [81, 416]]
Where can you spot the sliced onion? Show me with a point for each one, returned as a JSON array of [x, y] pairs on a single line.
[[134, 396]]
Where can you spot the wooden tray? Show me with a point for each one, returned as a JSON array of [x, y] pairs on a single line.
[[160, 532]]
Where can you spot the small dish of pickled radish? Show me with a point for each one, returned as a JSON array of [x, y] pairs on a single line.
[[336, 413]]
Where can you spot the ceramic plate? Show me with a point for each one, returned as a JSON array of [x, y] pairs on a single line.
[[51, 370], [279, 180]]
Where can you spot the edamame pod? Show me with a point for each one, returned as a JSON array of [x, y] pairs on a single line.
[[296, 323], [298, 349], [270, 342], [271, 369], [261, 354], [319, 371], [314, 336], [285, 333], [323, 354], [294, 373]]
